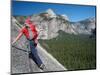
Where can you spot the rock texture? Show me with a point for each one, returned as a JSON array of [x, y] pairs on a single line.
[[20, 61]]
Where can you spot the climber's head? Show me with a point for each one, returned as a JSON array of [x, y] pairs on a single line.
[[28, 22]]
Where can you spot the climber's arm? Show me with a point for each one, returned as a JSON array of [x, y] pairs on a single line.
[[18, 37]]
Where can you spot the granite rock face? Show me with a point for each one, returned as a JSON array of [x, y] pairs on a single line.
[[20, 61]]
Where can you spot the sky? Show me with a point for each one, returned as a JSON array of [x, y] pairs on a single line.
[[74, 12]]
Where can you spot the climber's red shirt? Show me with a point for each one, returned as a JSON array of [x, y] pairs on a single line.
[[32, 26]]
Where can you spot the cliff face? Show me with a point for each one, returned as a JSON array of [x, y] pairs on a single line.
[[85, 26], [18, 57], [20, 62]]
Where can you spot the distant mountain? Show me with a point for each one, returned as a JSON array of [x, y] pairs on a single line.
[[65, 17], [51, 13], [51, 23], [84, 26]]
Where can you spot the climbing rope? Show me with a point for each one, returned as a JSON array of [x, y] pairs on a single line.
[[24, 50]]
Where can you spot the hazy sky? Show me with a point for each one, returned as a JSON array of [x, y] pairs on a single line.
[[74, 12]]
